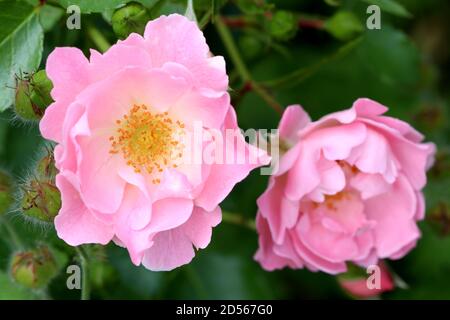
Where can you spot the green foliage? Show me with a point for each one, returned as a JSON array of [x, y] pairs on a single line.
[[35, 268], [390, 6], [283, 25], [11, 291], [324, 65], [21, 41], [133, 17], [89, 6], [250, 46], [6, 191], [49, 16], [344, 25], [252, 7]]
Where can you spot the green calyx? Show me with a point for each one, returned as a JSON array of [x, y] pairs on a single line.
[[45, 167], [33, 96], [41, 201]]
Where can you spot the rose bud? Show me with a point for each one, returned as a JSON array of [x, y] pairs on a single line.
[[130, 18], [41, 200], [33, 96], [34, 268]]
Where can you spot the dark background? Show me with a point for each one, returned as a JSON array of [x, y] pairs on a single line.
[[405, 66]]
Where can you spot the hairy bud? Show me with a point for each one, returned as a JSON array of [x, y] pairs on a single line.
[[132, 17], [45, 167], [33, 96], [34, 268], [41, 200]]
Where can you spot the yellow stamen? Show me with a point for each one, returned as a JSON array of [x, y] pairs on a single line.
[[147, 141]]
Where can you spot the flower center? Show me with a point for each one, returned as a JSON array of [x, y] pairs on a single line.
[[149, 142], [332, 201], [348, 169]]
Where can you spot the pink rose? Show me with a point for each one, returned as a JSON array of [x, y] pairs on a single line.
[[347, 190], [119, 120]]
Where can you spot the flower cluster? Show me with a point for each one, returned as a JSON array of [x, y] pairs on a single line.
[[347, 188]]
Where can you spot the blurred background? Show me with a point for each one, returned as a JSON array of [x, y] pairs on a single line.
[[317, 53]]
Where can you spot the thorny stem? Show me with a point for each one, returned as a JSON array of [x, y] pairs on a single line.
[[241, 68], [303, 73]]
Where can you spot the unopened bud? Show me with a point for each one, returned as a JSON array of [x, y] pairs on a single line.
[[41, 200], [284, 25], [6, 192], [45, 167], [23, 106], [34, 268], [41, 86], [344, 25], [250, 46], [33, 96], [132, 17]]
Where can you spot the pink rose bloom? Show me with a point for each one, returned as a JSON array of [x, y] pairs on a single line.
[[359, 287], [118, 120], [347, 190]]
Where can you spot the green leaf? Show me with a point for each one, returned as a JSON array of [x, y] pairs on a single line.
[[391, 6], [90, 6], [49, 16], [21, 43]]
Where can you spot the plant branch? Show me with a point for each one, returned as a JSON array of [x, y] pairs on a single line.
[[241, 68], [235, 56], [207, 17], [239, 220], [85, 289], [311, 23], [303, 73], [98, 38], [244, 22]]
